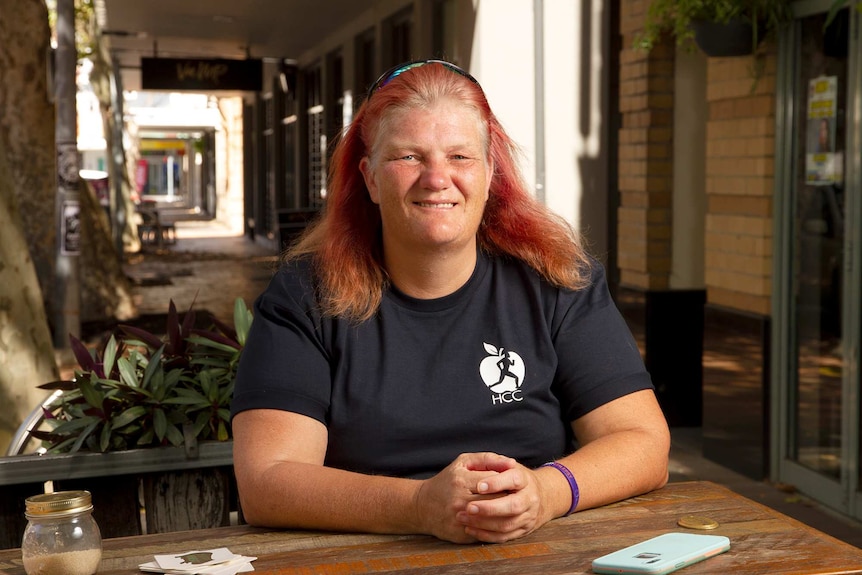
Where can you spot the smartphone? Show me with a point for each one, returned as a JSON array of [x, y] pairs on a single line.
[[662, 554]]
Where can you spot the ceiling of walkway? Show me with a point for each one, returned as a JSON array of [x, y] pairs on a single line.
[[218, 28]]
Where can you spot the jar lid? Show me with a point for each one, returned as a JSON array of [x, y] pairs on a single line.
[[58, 503]]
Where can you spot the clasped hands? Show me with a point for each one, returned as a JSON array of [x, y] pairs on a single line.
[[482, 497]]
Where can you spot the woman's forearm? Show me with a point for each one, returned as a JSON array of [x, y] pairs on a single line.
[[618, 466], [310, 496]]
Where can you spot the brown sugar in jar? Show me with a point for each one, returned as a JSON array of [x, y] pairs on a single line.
[[61, 537]]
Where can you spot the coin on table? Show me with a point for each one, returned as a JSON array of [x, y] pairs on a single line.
[[697, 522]]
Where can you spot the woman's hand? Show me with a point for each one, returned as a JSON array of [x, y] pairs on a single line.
[[482, 497]]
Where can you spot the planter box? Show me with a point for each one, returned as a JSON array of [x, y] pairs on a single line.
[[156, 490]]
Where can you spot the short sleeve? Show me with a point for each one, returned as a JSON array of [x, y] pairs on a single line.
[[598, 358], [284, 364]]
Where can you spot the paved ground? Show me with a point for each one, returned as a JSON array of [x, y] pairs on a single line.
[[211, 268], [208, 273]]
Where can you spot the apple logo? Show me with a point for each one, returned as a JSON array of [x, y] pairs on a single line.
[[502, 370]]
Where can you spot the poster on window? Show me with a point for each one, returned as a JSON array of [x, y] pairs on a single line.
[[822, 160], [70, 229]]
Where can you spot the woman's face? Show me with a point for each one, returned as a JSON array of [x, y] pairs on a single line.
[[428, 171]]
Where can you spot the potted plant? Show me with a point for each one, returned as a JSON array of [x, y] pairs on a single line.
[[145, 426], [718, 27], [143, 391]]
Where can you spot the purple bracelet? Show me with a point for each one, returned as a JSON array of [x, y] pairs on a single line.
[[573, 485]]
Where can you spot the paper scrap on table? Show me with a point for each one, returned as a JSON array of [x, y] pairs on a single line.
[[208, 562]]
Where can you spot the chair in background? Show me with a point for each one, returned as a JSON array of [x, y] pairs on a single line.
[[151, 230]]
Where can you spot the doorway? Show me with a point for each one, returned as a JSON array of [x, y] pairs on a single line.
[[175, 172], [816, 375]]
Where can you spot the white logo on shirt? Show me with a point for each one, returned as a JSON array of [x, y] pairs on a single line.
[[503, 372]]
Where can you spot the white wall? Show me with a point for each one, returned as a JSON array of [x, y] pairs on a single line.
[[572, 158], [502, 59], [502, 56], [562, 96]]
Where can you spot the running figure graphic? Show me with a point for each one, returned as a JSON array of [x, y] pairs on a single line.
[[504, 364]]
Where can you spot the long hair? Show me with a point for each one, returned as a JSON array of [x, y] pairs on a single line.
[[345, 240]]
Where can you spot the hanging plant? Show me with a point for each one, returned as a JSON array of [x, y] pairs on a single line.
[[837, 6], [742, 24], [737, 37]]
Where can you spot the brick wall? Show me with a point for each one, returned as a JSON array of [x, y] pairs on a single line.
[[645, 156], [739, 170]]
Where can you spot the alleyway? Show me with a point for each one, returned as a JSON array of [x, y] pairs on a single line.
[[209, 273], [203, 270]]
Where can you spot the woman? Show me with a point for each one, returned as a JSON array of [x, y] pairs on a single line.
[[434, 347]]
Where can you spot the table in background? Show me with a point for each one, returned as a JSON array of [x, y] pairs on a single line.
[[762, 541]]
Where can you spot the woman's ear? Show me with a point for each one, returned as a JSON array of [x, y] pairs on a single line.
[[368, 175]]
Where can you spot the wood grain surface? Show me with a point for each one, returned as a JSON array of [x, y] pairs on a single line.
[[763, 541]]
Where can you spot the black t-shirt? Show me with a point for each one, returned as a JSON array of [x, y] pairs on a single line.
[[504, 364]]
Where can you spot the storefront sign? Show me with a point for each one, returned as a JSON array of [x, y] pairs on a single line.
[[201, 75]]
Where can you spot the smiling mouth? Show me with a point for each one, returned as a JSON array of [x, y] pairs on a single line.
[[435, 205]]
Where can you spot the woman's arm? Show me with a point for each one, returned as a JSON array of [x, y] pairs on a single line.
[[624, 450], [278, 461]]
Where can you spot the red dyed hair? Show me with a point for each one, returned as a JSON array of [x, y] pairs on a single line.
[[345, 241]]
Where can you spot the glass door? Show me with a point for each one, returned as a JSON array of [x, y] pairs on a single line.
[[816, 303]]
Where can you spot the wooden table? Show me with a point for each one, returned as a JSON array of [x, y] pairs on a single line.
[[762, 541]]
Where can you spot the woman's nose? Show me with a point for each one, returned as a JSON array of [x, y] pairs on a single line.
[[435, 175]]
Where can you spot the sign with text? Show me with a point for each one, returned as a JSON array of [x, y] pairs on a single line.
[[823, 161], [201, 75]]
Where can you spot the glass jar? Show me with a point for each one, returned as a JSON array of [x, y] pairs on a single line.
[[61, 537]]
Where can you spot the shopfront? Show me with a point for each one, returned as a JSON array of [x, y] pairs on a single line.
[[815, 387], [174, 170]]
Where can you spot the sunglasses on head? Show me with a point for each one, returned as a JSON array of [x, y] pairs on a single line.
[[392, 73]]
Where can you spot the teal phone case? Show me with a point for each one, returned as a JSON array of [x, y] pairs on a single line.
[[663, 554]]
